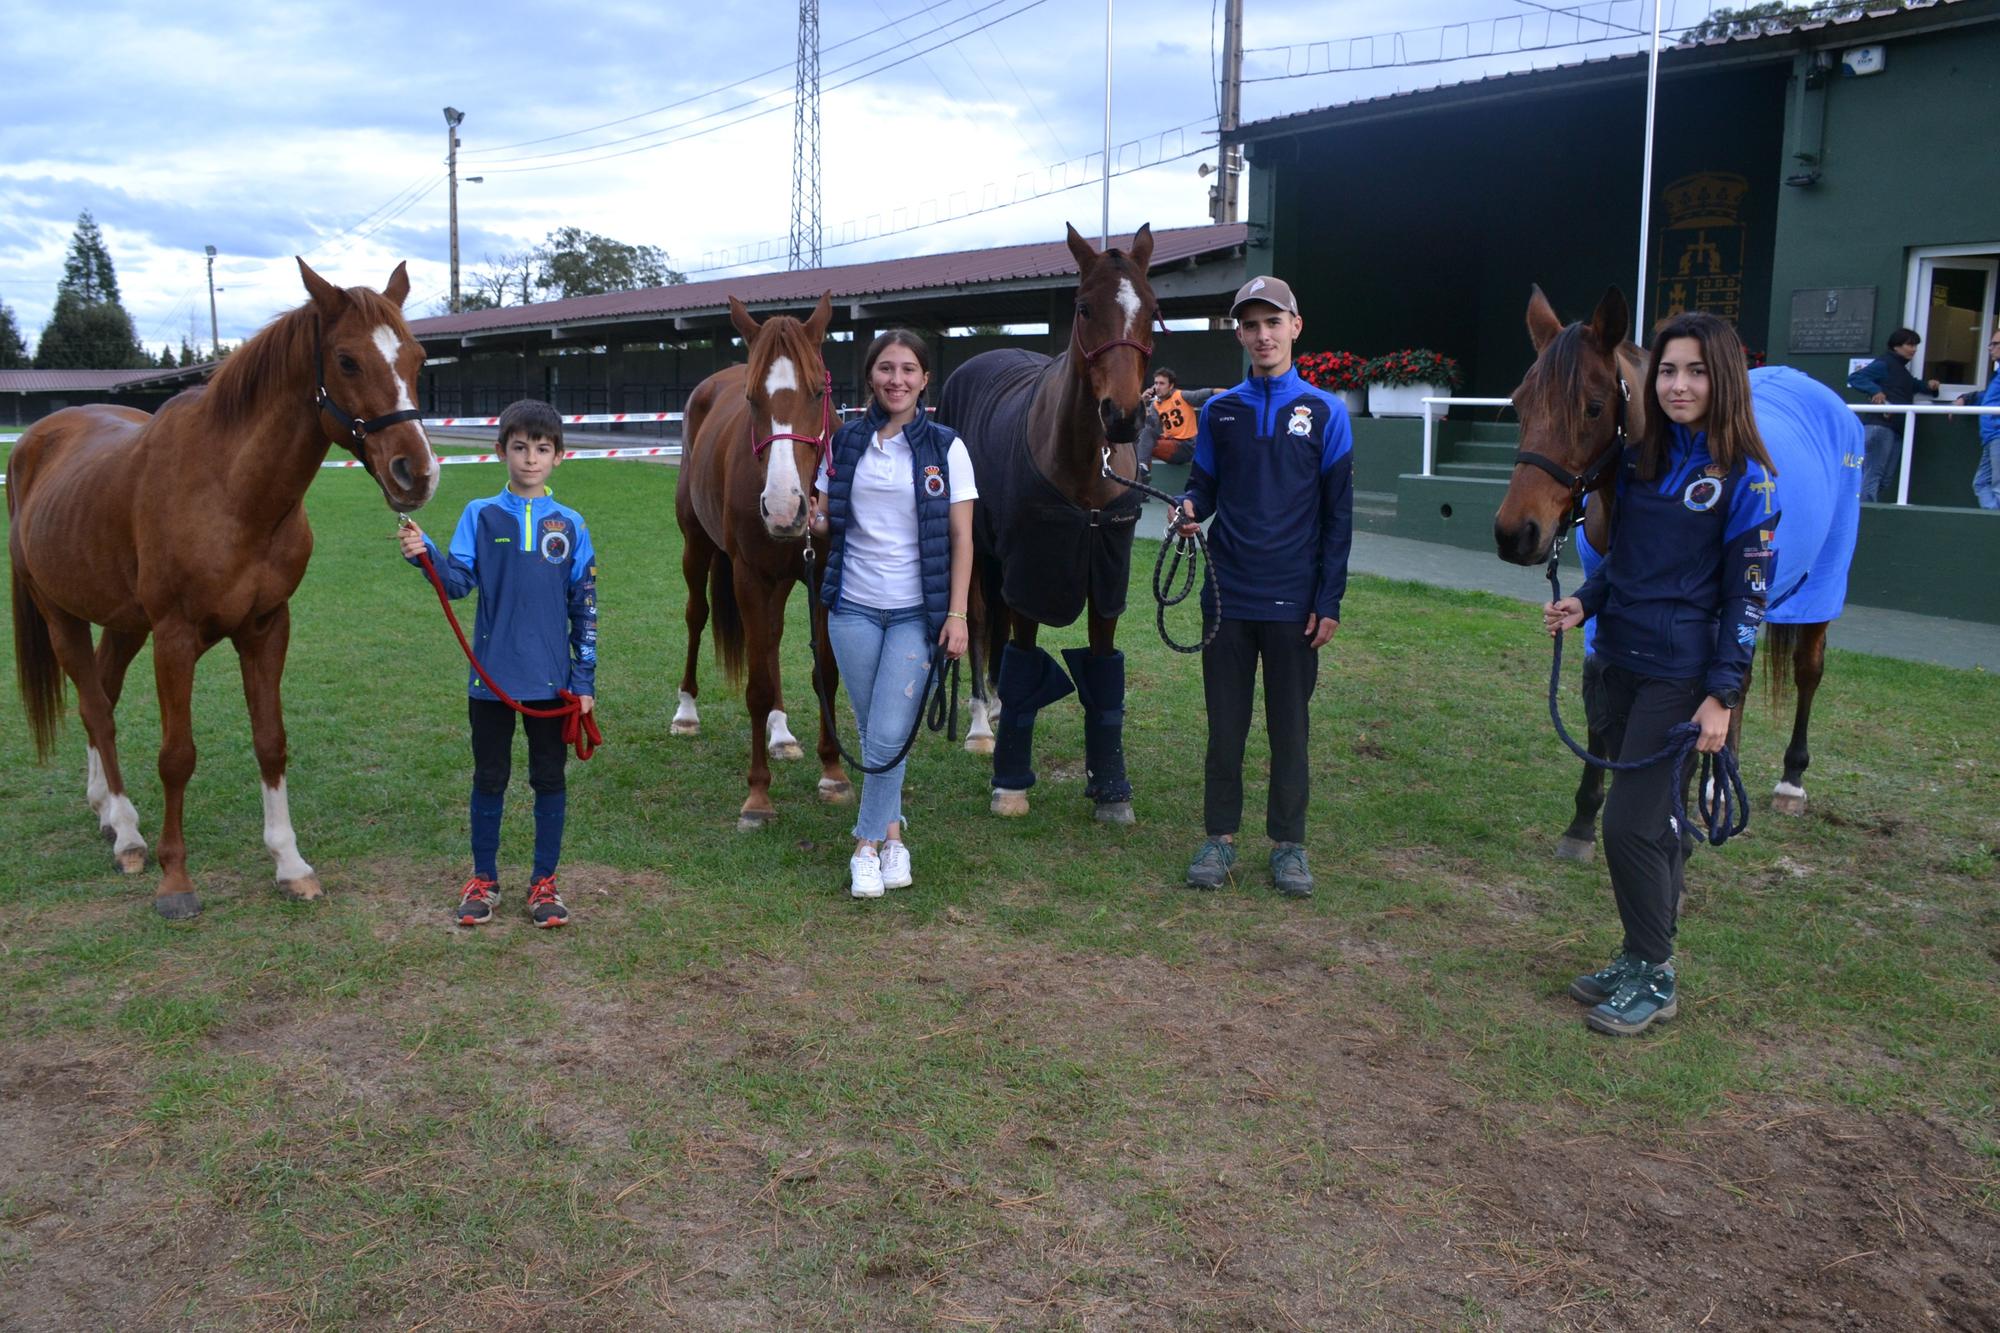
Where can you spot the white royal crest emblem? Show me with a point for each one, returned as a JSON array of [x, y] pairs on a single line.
[[1701, 494], [1301, 423]]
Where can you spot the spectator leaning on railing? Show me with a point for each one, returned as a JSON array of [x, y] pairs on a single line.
[[1986, 478], [1887, 379]]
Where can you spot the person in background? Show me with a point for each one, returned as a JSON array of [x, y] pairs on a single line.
[[1167, 433], [1986, 477], [1887, 379]]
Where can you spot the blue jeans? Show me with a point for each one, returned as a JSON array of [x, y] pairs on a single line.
[[1986, 481], [885, 662], [1884, 461]]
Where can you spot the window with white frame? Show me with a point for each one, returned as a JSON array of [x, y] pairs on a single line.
[[1950, 302]]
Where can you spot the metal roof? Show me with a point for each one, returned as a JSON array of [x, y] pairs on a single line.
[[98, 381], [1776, 40], [1038, 262]]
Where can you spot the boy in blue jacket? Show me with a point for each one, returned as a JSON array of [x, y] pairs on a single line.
[[1273, 462], [532, 561]]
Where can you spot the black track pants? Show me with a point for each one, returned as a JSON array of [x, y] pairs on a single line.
[[1229, 684], [1642, 845]]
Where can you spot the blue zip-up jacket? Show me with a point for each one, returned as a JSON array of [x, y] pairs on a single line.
[[1274, 462], [1989, 426], [536, 571], [930, 449], [1682, 590]]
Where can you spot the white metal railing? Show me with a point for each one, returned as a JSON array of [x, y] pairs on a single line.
[[1910, 413]]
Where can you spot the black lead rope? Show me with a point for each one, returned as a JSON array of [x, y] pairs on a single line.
[[935, 712], [1723, 804], [1180, 557]]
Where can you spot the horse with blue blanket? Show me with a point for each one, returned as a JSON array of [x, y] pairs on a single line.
[[1052, 535], [1585, 395]]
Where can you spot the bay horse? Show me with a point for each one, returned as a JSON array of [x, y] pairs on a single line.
[[1585, 394], [747, 467], [1052, 535], [189, 525]]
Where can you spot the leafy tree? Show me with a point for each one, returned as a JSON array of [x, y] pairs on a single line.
[[89, 329], [575, 262], [1775, 16], [13, 349]]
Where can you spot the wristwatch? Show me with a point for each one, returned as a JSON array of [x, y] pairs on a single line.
[[1730, 699]]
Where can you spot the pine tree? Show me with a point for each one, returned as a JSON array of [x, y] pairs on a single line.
[[89, 329], [188, 357], [13, 350]]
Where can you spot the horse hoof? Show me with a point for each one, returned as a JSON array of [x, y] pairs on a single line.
[[787, 750], [1580, 850], [1009, 804], [685, 727], [1789, 803], [749, 821], [177, 906], [130, 861], [835, 792], [1114, 812], [979, 745], [304, 889]]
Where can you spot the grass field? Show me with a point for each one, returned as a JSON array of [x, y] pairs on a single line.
[[1046, 1087]]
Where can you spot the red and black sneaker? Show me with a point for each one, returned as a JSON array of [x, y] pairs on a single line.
[[476, 901], [545, 905]]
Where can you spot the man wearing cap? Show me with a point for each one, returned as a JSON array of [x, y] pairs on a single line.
[[1273, 462]]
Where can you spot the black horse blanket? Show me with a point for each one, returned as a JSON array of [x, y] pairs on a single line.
[[1055, 556]]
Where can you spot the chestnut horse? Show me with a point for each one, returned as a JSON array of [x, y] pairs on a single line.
[[1584, 396], [747, 466], [1051, 534], [189, 525]]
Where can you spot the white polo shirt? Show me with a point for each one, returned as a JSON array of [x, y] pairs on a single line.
[[883, 568]]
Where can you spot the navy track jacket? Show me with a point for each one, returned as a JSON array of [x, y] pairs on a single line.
[[1682, 590], [536, 571], [1274, 462]]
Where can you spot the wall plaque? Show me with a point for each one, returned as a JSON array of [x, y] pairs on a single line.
[[1832, 319]]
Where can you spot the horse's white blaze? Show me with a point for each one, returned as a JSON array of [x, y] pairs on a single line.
[[94, 785], [278, 835], [982, 724], [388, 344], [784, 495], [1787, 789], [778, 730], [1128, 301], [686, 712]]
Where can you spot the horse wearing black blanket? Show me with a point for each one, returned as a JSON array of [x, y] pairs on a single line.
[[1052, 535]]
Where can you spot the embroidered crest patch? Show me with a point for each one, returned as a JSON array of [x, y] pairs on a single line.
[[555, 544], [1301, 423], [933, 482], [1701, 494]]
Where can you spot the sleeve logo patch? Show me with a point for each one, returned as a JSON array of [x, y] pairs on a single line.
[[1301, 423], [1701, 494], [1754, 576]]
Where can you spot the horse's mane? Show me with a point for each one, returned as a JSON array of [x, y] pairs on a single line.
[[1556, 380], [782, 335], [273, 357]]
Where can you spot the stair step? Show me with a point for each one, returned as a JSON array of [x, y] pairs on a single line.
[[1484, 471]]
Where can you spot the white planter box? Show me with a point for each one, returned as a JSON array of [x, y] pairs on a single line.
[[1404, 400]]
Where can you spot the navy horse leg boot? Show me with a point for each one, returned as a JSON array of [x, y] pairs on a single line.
[[1100, 688], [1030, 680]]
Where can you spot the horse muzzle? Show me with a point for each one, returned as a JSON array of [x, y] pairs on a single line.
[[1524, 544], [1119, 427]]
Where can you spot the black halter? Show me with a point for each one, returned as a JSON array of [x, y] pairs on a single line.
[[358, 430], [1578, 484]]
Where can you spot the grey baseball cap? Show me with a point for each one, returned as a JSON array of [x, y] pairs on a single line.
[[1276, 291]]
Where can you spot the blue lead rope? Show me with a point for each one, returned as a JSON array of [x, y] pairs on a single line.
[[1723, 804]]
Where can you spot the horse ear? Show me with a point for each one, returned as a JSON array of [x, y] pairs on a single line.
[[1543, 326], [397, 288], [822, 316], [1142, 247], [1085, 252], [746, 323], [329, 298], [1613, 318]]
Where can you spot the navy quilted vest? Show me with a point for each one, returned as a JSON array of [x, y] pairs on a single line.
[[929, 444]]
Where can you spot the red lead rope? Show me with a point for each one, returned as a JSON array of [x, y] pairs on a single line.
[[579, 727]]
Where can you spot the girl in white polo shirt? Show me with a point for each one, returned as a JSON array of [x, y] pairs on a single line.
[[895, 502]]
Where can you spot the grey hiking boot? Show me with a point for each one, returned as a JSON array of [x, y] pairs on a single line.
[[1212, 865], [1599, 986], [1288, 870], [1645, 997]]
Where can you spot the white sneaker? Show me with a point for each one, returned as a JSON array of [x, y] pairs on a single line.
[[895, 865], [864, 874]]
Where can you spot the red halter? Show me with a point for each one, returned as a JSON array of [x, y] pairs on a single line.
[[821, 442], [1143, 349]]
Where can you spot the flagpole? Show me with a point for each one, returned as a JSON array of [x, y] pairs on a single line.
[[1104, 238], [1639, 330]]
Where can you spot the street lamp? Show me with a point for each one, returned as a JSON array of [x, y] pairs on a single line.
[[214, 330], [453, 118]]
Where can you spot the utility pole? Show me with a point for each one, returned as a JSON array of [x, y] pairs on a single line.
[[453, 117], [214, 328], [1229, 157], [805, 247], [1104, 232]]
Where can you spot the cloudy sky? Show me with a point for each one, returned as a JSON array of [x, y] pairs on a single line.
[[303, 128]]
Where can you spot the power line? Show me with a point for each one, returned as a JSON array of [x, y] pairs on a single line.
[[780, 106], [1034, 104], [1399, 57]]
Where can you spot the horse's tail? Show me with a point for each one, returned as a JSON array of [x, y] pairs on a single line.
[[36, 666], [1779, 648], [725, 616]]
